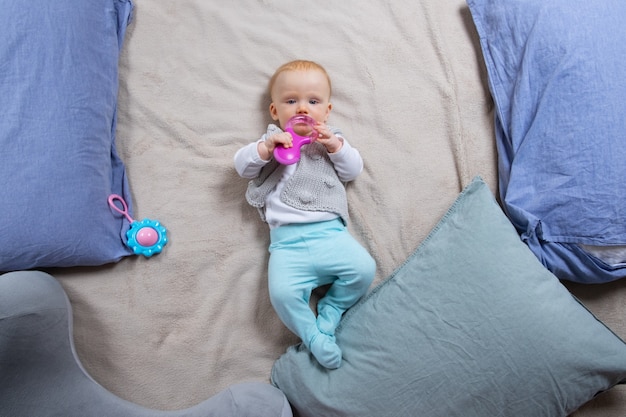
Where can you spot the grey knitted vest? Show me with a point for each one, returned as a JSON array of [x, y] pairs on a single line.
[[314, 186]]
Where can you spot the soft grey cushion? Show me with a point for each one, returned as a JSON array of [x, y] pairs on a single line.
[[41, 376], [471, 325]]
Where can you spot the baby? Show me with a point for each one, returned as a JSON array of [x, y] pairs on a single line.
[[306, 208]]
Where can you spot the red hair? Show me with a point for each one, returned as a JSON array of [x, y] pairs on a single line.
[[298, 65]]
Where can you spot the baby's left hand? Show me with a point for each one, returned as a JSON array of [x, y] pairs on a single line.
[[327, 138]]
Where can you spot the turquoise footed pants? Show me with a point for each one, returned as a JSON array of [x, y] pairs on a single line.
[[306, 256]]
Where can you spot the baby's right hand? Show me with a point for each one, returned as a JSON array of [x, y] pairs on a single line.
[[266, 148], [283, 138]]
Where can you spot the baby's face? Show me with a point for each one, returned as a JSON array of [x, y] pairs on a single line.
[[300, 92]]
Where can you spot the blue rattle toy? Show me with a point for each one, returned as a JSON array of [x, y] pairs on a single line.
[[288, 156], [146, 237]]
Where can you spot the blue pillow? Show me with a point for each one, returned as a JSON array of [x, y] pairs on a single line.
[[556, 74], [58, 95], [470, 325]]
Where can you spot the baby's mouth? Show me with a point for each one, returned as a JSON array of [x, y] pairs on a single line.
[[303, 129]]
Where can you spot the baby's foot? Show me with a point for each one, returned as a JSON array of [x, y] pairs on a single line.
[[326, 351], [328, 319]]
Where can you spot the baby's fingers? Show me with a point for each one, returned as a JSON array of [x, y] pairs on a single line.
[[285, 139]]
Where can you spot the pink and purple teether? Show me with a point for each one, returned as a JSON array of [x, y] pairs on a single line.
[[288, 156]]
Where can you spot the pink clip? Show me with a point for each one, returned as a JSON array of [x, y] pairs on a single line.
[[124, 212]]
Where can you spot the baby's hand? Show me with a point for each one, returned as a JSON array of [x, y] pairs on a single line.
[[282, 138], [266, 148], [327, 138]]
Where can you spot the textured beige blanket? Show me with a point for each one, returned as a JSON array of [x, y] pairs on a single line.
[[410, 93]]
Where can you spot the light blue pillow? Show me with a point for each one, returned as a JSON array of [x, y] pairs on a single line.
[[58, 95], [556, 74], [470, 325]]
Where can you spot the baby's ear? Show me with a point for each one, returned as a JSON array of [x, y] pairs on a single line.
[[273, 111]]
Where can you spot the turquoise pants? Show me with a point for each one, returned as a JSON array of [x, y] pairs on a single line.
[[306, 256]]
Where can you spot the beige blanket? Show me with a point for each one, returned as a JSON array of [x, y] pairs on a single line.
[[410, 93]]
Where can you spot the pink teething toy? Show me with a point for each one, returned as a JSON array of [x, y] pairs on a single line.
[[288, 156]]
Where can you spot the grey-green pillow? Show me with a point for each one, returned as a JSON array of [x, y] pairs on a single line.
[[471, 325]]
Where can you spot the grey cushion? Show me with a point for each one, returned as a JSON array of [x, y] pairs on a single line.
[[40, 374]]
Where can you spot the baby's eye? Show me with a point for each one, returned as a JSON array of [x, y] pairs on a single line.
[[314, 101], [291, 101]]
